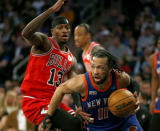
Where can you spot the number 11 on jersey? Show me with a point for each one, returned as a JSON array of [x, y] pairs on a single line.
[[102, 113]]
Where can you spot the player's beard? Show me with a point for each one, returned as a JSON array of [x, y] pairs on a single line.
[[101, 81], [62, 44]]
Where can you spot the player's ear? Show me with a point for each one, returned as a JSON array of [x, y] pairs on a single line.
[[52, 31], [89, 36], [110, 70]]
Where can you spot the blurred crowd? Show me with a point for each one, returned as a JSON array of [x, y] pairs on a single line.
[[127, 29]]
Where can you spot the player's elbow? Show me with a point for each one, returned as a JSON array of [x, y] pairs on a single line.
[[24, 33]]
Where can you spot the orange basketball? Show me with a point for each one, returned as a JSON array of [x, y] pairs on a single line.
[[121, 103]]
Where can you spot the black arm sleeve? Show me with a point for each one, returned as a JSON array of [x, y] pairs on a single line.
[[77, 99], [133, 86], [64, 121]]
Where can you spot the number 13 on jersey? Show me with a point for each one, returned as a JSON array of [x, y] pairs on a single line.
[[53, 76]]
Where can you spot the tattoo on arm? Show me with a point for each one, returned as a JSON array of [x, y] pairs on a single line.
[[29, 31]]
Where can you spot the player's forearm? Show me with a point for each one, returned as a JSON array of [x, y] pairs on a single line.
[[154, 88], [55, 101], [34, 25]]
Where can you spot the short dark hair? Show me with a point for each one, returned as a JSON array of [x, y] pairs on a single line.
[[87, 27], [59, 20], [112, 60]]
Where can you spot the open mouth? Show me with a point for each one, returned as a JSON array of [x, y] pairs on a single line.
[[65, 37], [97, 78], [77, 43]]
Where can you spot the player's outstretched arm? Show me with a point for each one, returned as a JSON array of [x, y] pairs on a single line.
[[29, 32], [154, 84], [74, 85]]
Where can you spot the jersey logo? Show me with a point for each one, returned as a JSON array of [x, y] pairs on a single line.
[[158, 62], [158, 70], [44, 110], [88, 56], [132, 128], [69, 58], [92, 93]]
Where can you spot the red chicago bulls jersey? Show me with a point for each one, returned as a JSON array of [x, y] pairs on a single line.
[[86, 57], [45, 72]]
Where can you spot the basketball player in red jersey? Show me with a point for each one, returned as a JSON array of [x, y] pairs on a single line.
[[82, 37], [50, 61]]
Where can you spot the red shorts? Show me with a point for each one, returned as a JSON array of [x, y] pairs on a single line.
[[35, 109]]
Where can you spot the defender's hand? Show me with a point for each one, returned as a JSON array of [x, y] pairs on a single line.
[[56, 7], [47, 122]]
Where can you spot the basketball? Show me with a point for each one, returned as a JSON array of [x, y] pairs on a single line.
[[121, 103]]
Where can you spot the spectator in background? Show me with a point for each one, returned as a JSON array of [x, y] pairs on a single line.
[[147, 39], [156, 8], [135, 55], [3, 111], [143, 63], [146, 72], [146, 13], [136, 27], [117, 31], [118, 49], [16, 119], [38, 4], [145, 89], [6, 32], [138, 78], [68, 13], [123, 65], [8, 85], [4, 61], [20, 50], [113, 18], [103, 35], [150, 21], [127, 35], [11, 102]]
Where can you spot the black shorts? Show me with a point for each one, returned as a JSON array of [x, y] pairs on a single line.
[[154, 123]]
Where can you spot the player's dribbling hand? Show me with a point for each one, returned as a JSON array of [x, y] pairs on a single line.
[[137, 104], [58, 5]]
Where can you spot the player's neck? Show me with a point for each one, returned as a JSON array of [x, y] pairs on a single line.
[[85, 48], [62, 45]]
